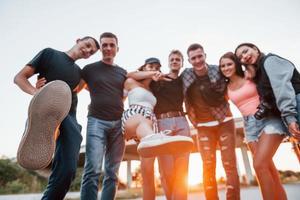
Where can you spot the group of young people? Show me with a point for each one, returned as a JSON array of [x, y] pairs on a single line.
[[266, 92]]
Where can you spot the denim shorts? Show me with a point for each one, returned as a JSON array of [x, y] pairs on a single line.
[[298, 107], [254, 127], [135, 109]]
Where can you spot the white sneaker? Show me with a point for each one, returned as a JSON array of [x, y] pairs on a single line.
[[162, 143]]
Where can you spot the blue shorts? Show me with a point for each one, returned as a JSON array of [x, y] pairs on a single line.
[[254, 128], [298, 107]]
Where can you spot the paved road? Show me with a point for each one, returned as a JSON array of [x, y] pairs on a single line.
[[250, 193]]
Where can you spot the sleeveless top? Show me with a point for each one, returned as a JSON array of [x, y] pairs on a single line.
[[246, 98], [141, 96]]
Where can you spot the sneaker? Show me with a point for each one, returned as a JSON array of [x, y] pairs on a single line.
[[47, 109], [164, 143]]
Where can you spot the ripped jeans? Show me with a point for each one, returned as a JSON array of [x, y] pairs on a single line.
[[208, 137]]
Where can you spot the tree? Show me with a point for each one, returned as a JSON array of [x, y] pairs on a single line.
[[8, 171]]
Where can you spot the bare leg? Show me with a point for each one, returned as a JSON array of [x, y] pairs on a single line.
[[280, 193], [138, 126], [262, 162], [147, 169], [279, 190]]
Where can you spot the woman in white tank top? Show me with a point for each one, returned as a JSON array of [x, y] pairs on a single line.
[[139, 121]]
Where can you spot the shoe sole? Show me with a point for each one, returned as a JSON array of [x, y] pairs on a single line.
[[47, 109], [172, 145]]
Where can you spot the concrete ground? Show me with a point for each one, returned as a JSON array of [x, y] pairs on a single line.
[[248, 193]]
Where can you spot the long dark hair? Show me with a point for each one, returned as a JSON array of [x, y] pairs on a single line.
[[260, 56], [247, 44], [238, 67], [253, 46]]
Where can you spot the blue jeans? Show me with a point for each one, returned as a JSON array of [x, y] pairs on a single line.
[[174, 168], [64, 164], [102, 138]]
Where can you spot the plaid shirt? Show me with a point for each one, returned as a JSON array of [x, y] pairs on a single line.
[[219, 84]]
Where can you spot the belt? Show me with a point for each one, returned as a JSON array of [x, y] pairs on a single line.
[[213, 123], [170, 114]]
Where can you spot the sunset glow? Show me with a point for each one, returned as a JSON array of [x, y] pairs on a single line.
[[282, 161]]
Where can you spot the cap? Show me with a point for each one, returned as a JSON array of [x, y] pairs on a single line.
[[150, 61]]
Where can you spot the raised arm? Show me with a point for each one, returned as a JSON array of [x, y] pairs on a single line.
[[129, 84], [21, 79], [140, 75], [154, 75]]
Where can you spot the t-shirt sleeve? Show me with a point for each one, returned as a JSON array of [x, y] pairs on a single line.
[[125, 72], [83, 73], [40, 60]]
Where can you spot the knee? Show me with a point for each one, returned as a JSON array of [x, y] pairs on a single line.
[[209, 167], [260, 165], [110, 178], [148, 171], [209, 161], [91, 170], [70, 171], [230, 166], [67, 176], [91, 164]]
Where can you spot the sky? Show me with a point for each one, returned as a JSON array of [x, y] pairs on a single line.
[[145, 28]]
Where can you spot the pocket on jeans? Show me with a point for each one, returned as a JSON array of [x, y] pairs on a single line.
[[163, 124], [250, 126], [249, 122]]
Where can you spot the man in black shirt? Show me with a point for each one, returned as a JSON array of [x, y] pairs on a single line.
[[56, 65], [104, 80], [169, 113]]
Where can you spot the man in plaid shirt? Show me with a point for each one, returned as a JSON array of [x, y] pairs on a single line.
[[208, 110]]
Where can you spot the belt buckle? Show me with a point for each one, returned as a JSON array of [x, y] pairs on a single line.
[[179, 114], [168, 114], [163, 115]]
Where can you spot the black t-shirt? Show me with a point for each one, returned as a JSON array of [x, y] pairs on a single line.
[[195, 99], [105, 84], [169, 95], [57, 65]]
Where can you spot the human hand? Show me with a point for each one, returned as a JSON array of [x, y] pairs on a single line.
[[40, 82], [158, 76], [294, 130]]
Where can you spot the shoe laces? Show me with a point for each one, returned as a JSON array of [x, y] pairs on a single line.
[[159, 134], [166, 132]]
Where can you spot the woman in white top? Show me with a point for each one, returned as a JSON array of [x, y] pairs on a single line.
[[139, 121]]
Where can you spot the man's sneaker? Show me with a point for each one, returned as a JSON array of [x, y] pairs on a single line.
[[47, 109], [164, 143]]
